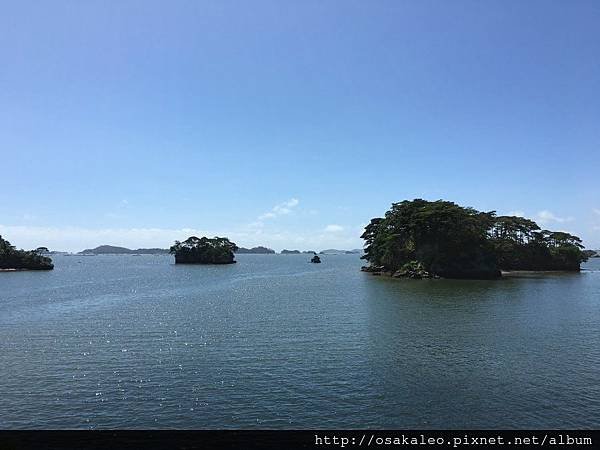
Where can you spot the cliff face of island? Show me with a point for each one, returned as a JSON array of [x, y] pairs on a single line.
[[13, 259], [204, 251], [421, 239]]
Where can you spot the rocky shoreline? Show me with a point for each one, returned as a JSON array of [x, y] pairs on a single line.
[[417, 272], [413, 270], [22, 270]]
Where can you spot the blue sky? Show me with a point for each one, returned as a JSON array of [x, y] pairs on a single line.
[[292, 123]]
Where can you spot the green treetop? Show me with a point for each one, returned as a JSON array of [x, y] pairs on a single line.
[[203, 250], [453, 241]]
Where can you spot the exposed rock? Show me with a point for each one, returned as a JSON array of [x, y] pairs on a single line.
[[413, 270], [315, 259], [372, 268]]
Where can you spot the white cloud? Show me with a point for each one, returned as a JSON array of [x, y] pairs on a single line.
[[596, 211], [75, 239], [333, 228], [78, 238], [545, 217], [517, 213], [280, 210]]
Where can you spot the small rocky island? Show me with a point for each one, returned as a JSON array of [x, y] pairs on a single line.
[[425, 239], [316, 260], [12, 259], [204, 251]]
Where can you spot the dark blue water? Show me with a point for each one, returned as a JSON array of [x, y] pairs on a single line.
[[276, 342]]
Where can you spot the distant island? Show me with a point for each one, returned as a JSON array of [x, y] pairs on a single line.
[[329, 251], [112, 250], [259, 250], [204, 251], [255, 250], [13, 259], [422, 239]]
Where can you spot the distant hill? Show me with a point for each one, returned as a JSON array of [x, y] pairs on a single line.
[[255, 250], [290, 252], [112, 250], [592, 253], [334, 251]]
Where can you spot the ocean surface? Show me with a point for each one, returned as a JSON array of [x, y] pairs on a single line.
[[277, 342]]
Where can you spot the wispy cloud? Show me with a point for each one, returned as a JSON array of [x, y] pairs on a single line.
[[545, 217], [517, 213], [333, 228], [281, 209], [596, 211], [119, 211]]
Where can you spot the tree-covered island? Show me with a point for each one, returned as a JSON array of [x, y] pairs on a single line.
[[13, 259], [420, 239], [204, 251]]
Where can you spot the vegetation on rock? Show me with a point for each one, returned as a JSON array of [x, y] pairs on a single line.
[[11, 258], [412, 269], [448, 240], [204, 251]]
